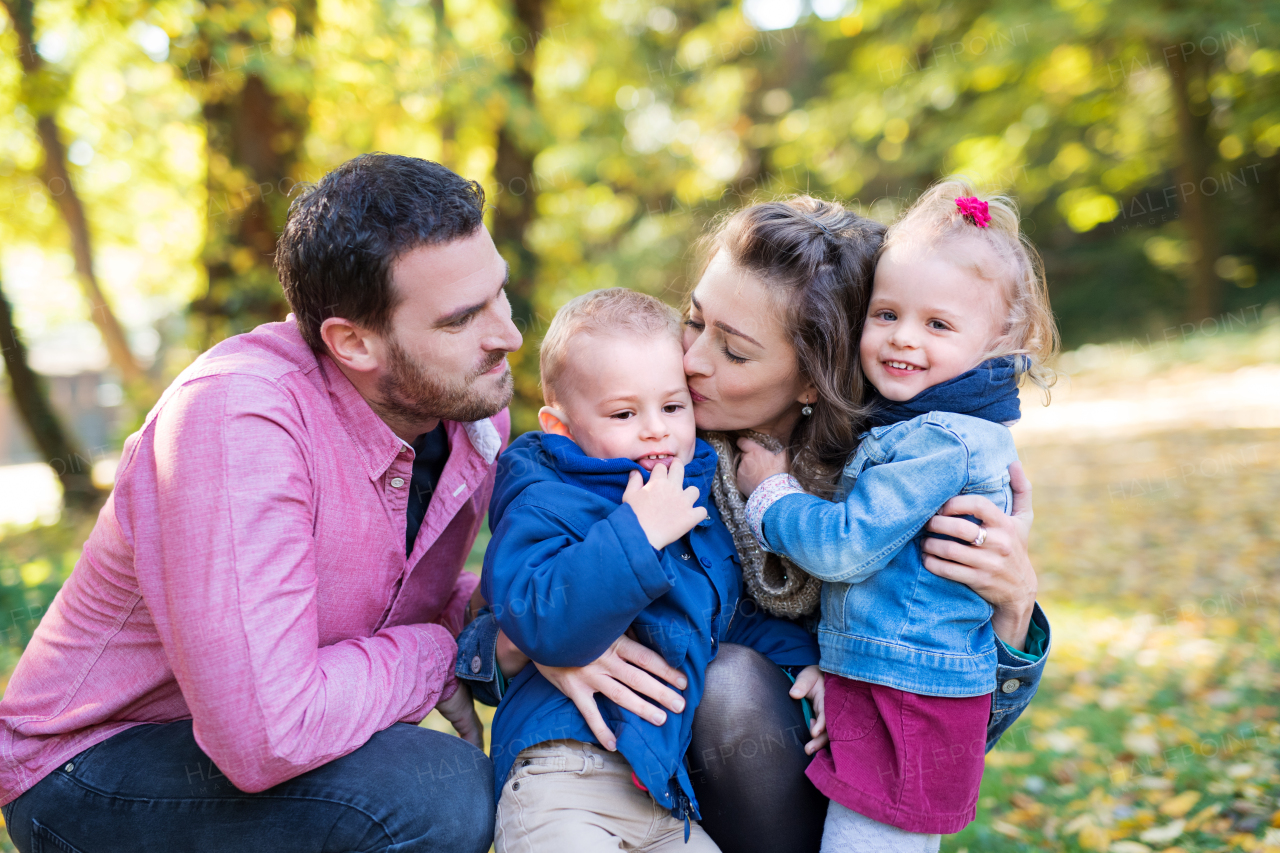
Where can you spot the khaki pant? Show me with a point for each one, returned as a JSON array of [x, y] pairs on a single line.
[[565, 795]]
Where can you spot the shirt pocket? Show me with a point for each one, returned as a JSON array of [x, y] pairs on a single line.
[[667, 636]]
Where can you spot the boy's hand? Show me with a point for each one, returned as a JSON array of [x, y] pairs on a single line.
[[665, 509], [460, 711], [758, 464], [810, 685]]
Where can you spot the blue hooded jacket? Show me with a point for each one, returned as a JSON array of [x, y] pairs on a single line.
[[569, 570]]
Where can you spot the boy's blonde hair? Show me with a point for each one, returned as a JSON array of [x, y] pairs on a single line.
[[601, 312], [935, 220]]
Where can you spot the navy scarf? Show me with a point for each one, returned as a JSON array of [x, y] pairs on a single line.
[[608, 477], [988, 391]]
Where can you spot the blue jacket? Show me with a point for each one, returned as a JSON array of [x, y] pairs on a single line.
[[569, 570], [885, 618]]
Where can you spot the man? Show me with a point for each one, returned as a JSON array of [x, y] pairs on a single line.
[[275, 585]]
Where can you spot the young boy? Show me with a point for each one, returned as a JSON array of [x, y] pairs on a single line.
[[601, 525]]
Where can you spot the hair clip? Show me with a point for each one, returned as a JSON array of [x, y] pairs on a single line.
[[975, 210]]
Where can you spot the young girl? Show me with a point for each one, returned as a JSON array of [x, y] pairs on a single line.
[[958, 316]]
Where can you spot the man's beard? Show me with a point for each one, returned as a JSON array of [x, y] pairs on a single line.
[[409, 392]]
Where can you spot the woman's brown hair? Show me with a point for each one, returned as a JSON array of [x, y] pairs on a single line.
[[817, 258]]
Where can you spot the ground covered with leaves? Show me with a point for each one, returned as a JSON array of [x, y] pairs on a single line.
[[1156, 727]]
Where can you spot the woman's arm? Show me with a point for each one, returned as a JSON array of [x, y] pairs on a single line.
[[1000, 569]]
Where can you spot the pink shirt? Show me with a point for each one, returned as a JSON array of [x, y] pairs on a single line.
[[248, 573]]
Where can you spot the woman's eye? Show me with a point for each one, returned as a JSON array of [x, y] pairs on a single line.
[[736, 359], [693, 324]]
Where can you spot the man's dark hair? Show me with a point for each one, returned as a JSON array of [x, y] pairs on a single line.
[[343, 234]]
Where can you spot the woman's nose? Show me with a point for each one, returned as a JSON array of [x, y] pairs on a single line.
[[695, 361]]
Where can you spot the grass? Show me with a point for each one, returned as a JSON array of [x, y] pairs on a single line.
[[1156, 727]]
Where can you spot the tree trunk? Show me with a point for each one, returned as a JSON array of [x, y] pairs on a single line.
[[58, 181], [1191, 171], [513, 168], [254, 137], [29, 395]]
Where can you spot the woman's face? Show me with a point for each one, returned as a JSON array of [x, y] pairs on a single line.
[[742, 369]]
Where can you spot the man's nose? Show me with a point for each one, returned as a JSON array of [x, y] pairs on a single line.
[[505, 337]]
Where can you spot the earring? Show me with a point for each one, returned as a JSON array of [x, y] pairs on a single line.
[[807, 410]]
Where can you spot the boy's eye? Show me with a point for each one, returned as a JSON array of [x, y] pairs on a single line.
[[622, 416], [672, 408], [938, 325]]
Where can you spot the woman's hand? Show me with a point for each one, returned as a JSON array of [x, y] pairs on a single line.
[[758, 464], [810, 685], [620, 674], [999, 569]]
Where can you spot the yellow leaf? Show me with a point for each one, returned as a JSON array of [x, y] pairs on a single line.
[[1203, 815], [1129, 847], [1006, 829], [1161, 834], [1180, 805], [1095, 838]]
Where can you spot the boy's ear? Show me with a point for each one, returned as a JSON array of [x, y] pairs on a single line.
[[553, 422]]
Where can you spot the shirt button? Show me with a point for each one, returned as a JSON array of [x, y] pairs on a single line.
[[475, 663], [525, 763], [1011, 685], [397, 482], [706, 564], [69, 768], [515, 786]]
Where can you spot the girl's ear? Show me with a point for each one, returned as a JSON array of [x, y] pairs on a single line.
[[553, 422]]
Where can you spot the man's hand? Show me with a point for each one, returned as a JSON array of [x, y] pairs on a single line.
[[810, 685], [758, 464], [666, 510], [460, 711]]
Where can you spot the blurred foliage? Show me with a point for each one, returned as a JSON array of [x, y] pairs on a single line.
[[608, 133]]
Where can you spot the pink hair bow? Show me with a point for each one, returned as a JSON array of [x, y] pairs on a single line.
[[975, 210]]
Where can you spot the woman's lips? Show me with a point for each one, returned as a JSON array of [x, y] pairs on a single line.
[[697, 398]]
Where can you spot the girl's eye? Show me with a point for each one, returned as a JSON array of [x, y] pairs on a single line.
[[622, 416], [736, 359], [887, 316], [672, 408]]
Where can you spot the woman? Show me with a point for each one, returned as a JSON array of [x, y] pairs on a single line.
[[771, 344]]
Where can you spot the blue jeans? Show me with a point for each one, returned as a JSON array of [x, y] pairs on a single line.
[[151, 788]]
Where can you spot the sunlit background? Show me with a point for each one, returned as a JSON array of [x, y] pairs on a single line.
[[148, 152]]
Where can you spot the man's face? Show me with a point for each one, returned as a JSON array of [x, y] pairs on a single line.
[[445, 354]]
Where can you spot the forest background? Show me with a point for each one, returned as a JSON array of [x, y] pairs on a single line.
[[148, 153]]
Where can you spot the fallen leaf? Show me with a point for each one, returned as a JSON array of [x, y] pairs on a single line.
[[1129, 847], [1161, 834], [1180, 805]]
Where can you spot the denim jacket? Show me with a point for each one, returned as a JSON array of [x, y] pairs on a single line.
[[885, 618]]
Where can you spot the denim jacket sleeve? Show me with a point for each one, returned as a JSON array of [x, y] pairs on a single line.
[[539, 570], [477, 662], [920, 467], [1017, 681]]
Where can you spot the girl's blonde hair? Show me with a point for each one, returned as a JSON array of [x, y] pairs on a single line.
[[935, 220]]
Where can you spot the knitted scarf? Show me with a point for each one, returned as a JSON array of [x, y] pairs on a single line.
[[777, 584]]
